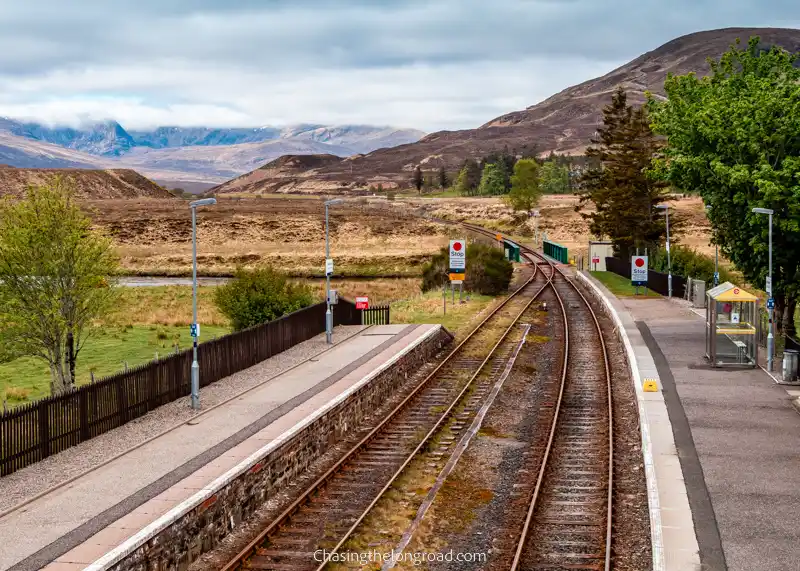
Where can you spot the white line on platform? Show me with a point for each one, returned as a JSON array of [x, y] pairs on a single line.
[[644, 426]]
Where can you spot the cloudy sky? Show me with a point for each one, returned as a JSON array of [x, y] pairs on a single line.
[[435, 64]]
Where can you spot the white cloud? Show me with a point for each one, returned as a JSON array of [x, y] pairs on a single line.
[[447, 96], [429, 64]]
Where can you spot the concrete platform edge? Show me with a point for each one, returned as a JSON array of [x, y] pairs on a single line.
[[620, 317], [123, 550]]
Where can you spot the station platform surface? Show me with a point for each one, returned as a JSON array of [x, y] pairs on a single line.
[[737, 436], [76, 525]]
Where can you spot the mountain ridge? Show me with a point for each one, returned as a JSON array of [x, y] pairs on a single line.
[[199, 154], [562, 123]]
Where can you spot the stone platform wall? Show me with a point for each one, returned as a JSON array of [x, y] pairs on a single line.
[[180, 543]]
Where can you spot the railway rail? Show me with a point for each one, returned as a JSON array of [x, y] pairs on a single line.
[[568, 521], [327, 513]]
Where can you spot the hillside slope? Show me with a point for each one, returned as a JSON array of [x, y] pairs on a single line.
[[563, 123], [21, 152], [285, 174], [89, 184]]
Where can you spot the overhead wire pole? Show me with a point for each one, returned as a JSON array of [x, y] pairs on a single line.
[[195, 327]]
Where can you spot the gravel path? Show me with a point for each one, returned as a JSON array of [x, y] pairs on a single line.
[[28, 482]]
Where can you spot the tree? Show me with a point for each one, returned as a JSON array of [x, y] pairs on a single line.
[[734, 136], [525, 186], [443, 181], [418, 179], [487, 271], [492, 180], [469, 178], [257, 296], [56, 279], [504, 161], [554, 178], [621, 188]]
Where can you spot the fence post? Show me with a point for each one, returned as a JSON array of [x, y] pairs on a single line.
[[44, 429], [83, 416], [122, 400]]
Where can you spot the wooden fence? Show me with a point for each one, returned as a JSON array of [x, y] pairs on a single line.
[[656, 281], [39, 429], [378, 315]]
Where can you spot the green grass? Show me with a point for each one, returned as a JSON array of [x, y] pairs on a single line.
[[427, 308], [620, 286], [26, 379]]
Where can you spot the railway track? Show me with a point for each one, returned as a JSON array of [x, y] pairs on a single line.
[[568, 522], [433, 416]]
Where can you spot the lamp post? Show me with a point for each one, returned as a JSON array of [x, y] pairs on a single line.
[[329, 310], [195, 327], [716, 258], [770, 336], [665, 208]]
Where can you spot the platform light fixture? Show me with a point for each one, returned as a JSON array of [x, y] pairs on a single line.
[[665, 208], [770, 337], [329, 310], [716, 257], [195, 327]]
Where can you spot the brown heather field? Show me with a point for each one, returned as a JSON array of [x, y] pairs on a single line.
[[154, 236], [370, 237], [558, 219]]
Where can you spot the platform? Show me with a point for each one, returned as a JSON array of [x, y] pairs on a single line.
[[737, 437], [111, 508]]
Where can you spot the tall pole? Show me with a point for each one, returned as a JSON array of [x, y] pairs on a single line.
[[195, 365], [328, 312], [669, 260], [770, 337]]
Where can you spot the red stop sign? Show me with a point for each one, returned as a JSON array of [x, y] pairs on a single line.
[[457, 246], [639, 262]]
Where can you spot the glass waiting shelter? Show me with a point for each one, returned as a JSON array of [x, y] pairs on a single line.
[[731, 323]]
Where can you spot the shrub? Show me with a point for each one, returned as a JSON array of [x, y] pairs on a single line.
[[687, 262], [257, 296], [17, 393], [488, 272]]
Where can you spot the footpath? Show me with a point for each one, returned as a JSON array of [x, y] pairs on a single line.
[[737, 438]]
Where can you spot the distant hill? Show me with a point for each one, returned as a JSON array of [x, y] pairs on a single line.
[[563, 123], [21, 152], [285, 174], [197, 154], [89, 184]]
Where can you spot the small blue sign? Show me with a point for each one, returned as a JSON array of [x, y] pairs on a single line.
[[716, 278], [194, 330], [771, 303]]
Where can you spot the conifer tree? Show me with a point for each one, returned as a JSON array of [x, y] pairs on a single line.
[[443, 181], [469, 178], [418, 179], [620, 186]]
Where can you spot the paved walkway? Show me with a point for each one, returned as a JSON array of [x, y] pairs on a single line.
[[738, 439], [74, 524]]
